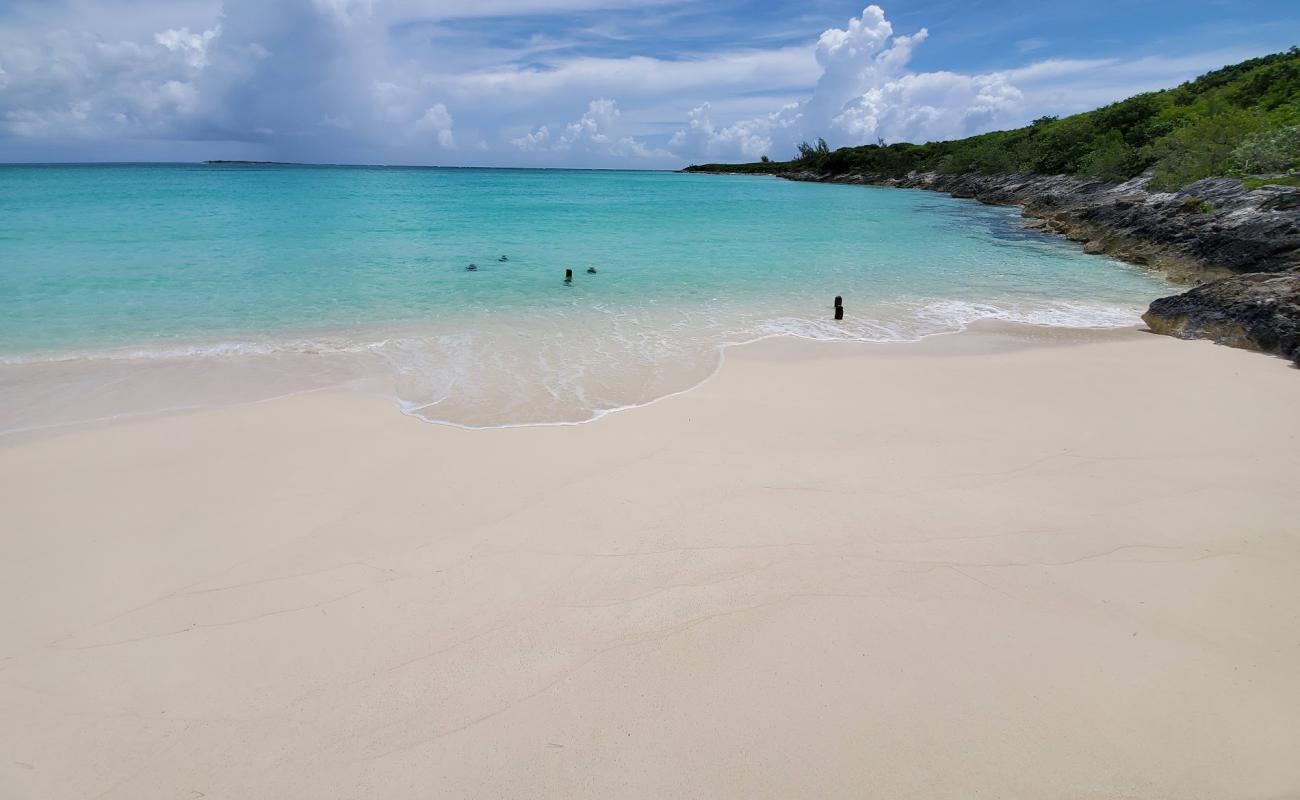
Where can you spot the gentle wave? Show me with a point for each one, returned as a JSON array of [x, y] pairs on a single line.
[[926, 319], [951, 316], [218, 349]]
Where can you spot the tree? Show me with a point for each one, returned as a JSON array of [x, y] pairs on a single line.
[[813, 155], [1111, 159], [1202, 148]]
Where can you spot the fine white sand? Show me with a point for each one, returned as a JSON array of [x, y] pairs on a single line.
[[977, 566]]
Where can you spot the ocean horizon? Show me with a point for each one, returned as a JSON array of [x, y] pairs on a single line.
[[133, 288]]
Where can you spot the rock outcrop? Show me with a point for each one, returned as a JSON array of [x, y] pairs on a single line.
[[1258, 310], [1242, 246]]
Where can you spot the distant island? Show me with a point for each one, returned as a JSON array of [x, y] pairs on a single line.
[[258, 163], [1202, 181]]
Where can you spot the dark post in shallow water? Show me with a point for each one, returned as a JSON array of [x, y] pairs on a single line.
[[568, 276], [839, 307]]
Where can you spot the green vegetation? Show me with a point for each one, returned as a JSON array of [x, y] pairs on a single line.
[[1240, 120], [1196, 205], [1251, 184], [768, 167]]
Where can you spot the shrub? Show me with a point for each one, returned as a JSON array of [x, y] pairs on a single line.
[[1251, 184], [1193, 204], [1269, 151]]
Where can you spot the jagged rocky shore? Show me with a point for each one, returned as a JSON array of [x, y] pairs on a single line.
[[1241, 246]]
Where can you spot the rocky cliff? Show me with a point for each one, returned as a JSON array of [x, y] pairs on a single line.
[[1242, 246]]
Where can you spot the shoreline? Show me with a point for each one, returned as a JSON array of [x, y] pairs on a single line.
[[979, 330], [977, 564]]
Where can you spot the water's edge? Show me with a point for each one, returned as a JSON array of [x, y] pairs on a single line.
[[1006, 333]]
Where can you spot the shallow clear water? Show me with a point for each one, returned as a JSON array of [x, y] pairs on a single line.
[[135, 288]]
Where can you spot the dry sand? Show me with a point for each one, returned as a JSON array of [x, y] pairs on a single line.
[[978, 566]]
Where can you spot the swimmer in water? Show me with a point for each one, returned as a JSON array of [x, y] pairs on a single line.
[[472, 268], [503, 258], [591, 270]]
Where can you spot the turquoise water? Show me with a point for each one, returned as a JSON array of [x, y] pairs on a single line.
[[118, 283]]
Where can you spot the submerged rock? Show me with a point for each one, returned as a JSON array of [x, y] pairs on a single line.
[[1260, 311]]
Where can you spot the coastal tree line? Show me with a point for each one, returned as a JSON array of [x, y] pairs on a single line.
[[1242, 120]]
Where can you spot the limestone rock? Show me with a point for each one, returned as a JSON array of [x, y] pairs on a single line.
[[1257, 310]]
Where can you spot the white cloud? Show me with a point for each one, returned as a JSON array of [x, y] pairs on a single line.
[[865, 91], [595, 135], [437, 120], [748, 139], [194, 46], [930, 106]]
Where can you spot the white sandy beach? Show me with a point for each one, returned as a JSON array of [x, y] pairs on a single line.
[[1004, 564]]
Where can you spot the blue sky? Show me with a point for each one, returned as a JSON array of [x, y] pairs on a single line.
[[591, 83]]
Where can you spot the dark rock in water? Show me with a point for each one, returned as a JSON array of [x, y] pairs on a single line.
[[1259, 310]]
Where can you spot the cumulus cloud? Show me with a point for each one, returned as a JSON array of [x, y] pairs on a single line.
[[747, 139], [595, 134], [865, 91], [437, 120]]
